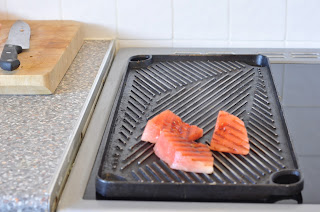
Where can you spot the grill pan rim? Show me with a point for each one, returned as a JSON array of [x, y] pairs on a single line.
[[299, 184]]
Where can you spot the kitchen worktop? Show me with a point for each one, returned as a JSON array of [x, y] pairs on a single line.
[[41, 136], [41, 133]]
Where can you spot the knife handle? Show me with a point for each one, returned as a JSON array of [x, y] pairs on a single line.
[[8, 60]]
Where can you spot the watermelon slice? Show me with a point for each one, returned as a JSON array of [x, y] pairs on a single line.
[[167, 120], [230, 135], [182, 154]]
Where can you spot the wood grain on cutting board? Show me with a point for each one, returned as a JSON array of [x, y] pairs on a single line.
[[53, 46]]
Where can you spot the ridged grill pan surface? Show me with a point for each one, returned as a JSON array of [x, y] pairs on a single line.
[[196, 88]]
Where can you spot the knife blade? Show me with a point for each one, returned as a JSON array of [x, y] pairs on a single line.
[[18, 39]]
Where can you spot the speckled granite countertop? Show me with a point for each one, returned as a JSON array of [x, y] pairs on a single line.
[[35, 132]]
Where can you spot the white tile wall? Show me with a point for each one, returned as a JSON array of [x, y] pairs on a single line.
[[257, 44], [3, 9], [303, 20], [302, 44], [143, 43], [144, 19], [202, 19], [34, 9], [200, 43], [257, 19], [99, 16], [183, 23]]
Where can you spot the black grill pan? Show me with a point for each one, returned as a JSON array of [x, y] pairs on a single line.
[[196, 88]]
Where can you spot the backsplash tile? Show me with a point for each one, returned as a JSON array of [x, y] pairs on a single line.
[[3, 9], [200, 43], [34, 9], [302, 44], [257, 44], [143, 43], [186, 23], [202, 19], [97, 22], [257, 20], [303, 20], [144, 19]]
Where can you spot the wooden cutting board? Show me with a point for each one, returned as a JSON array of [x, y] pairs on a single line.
[[53, 46]]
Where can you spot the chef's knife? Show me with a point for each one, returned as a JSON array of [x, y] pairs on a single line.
[[18, 39]]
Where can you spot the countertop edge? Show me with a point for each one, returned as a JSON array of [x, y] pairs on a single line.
[[60, 177]]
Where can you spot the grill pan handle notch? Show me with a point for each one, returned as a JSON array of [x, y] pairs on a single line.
[[261, 60], [292, 179], [140, 61], [286, 177]]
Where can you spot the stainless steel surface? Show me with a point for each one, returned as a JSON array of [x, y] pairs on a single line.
[[72, 196], [19, 35], [61, 175], [275, 55]]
